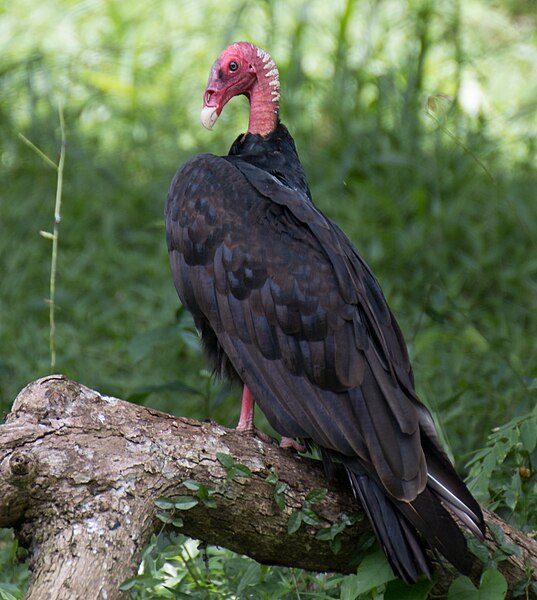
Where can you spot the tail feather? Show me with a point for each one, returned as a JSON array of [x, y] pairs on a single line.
[[468, 515], [438, 528], [398, 525], [399, 541], [406, 529], [447, 485]]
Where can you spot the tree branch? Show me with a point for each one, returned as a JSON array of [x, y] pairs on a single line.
[[79, 474]]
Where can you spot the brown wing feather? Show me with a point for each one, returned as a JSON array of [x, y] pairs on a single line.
[[298, 314]]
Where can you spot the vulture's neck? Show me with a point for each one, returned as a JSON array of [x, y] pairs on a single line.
[[264, 96]]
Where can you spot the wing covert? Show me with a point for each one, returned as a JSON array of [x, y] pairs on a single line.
[[295, 308]]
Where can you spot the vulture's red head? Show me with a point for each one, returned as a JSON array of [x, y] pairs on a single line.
[[242, 68]]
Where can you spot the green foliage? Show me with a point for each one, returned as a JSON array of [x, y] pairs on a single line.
[[503, 473], [306, 514], [203, 492], [171, 505], [13, 571], [416, 122], [492, 587], [174, 566], [232, 467], [280, 488], [332, 534], [374, 572]]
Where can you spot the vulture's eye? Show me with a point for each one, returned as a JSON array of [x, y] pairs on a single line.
[[233, 66]]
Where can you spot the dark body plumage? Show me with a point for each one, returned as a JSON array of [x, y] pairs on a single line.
[[285, 304]]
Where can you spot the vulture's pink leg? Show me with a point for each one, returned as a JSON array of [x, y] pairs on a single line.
[[246, 420], [246, 423]]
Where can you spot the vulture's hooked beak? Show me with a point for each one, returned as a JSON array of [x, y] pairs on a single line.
[[208, 116], [210, 111]]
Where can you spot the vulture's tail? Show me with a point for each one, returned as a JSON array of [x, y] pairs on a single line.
[[397, 524], [398, 539], [444, 482]]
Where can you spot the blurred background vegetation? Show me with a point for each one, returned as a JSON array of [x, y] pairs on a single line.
[[416, 122]]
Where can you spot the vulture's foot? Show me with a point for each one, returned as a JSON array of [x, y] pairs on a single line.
[[288, 442], [249, 429]]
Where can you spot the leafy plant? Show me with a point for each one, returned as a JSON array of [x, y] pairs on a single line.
[[280, 487], [174, 566], [504, 473], [332, 534], [373, 573], [13, 571], [306, 514], [203, 492], [233, 468], [492, 587], [171, 505]]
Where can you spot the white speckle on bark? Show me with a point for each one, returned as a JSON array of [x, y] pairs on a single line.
[[110, 400], [219, 430], [79, 478], [93, 525], [57, 464]]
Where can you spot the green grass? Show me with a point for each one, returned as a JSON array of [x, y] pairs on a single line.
[[416, 122]]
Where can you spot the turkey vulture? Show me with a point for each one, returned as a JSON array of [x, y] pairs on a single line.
[[286, 305]]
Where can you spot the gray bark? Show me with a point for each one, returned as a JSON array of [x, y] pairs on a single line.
[[79, 474]]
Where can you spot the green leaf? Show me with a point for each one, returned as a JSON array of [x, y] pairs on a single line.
[[295, 521], [249, 579], [272, 478], [128, 584], [185, 502], [528, 434], [463, 589], [490, 461], [493, 585], [209, 502], [316, 496], [325, 534], [165, 517], [165, 503], [503, 545], [280, 501], [242, 470], [192, 484], [478, 549], [335, 544], [309, 517], [350, 588], [497, 533], [373, 571], [280, 488], [226, 460], [502, 449], [177, 522]]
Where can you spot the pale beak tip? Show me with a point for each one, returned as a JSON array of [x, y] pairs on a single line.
[[208, 116]]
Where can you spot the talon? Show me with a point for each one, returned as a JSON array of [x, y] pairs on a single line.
[[264, 437], [288, 442]]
